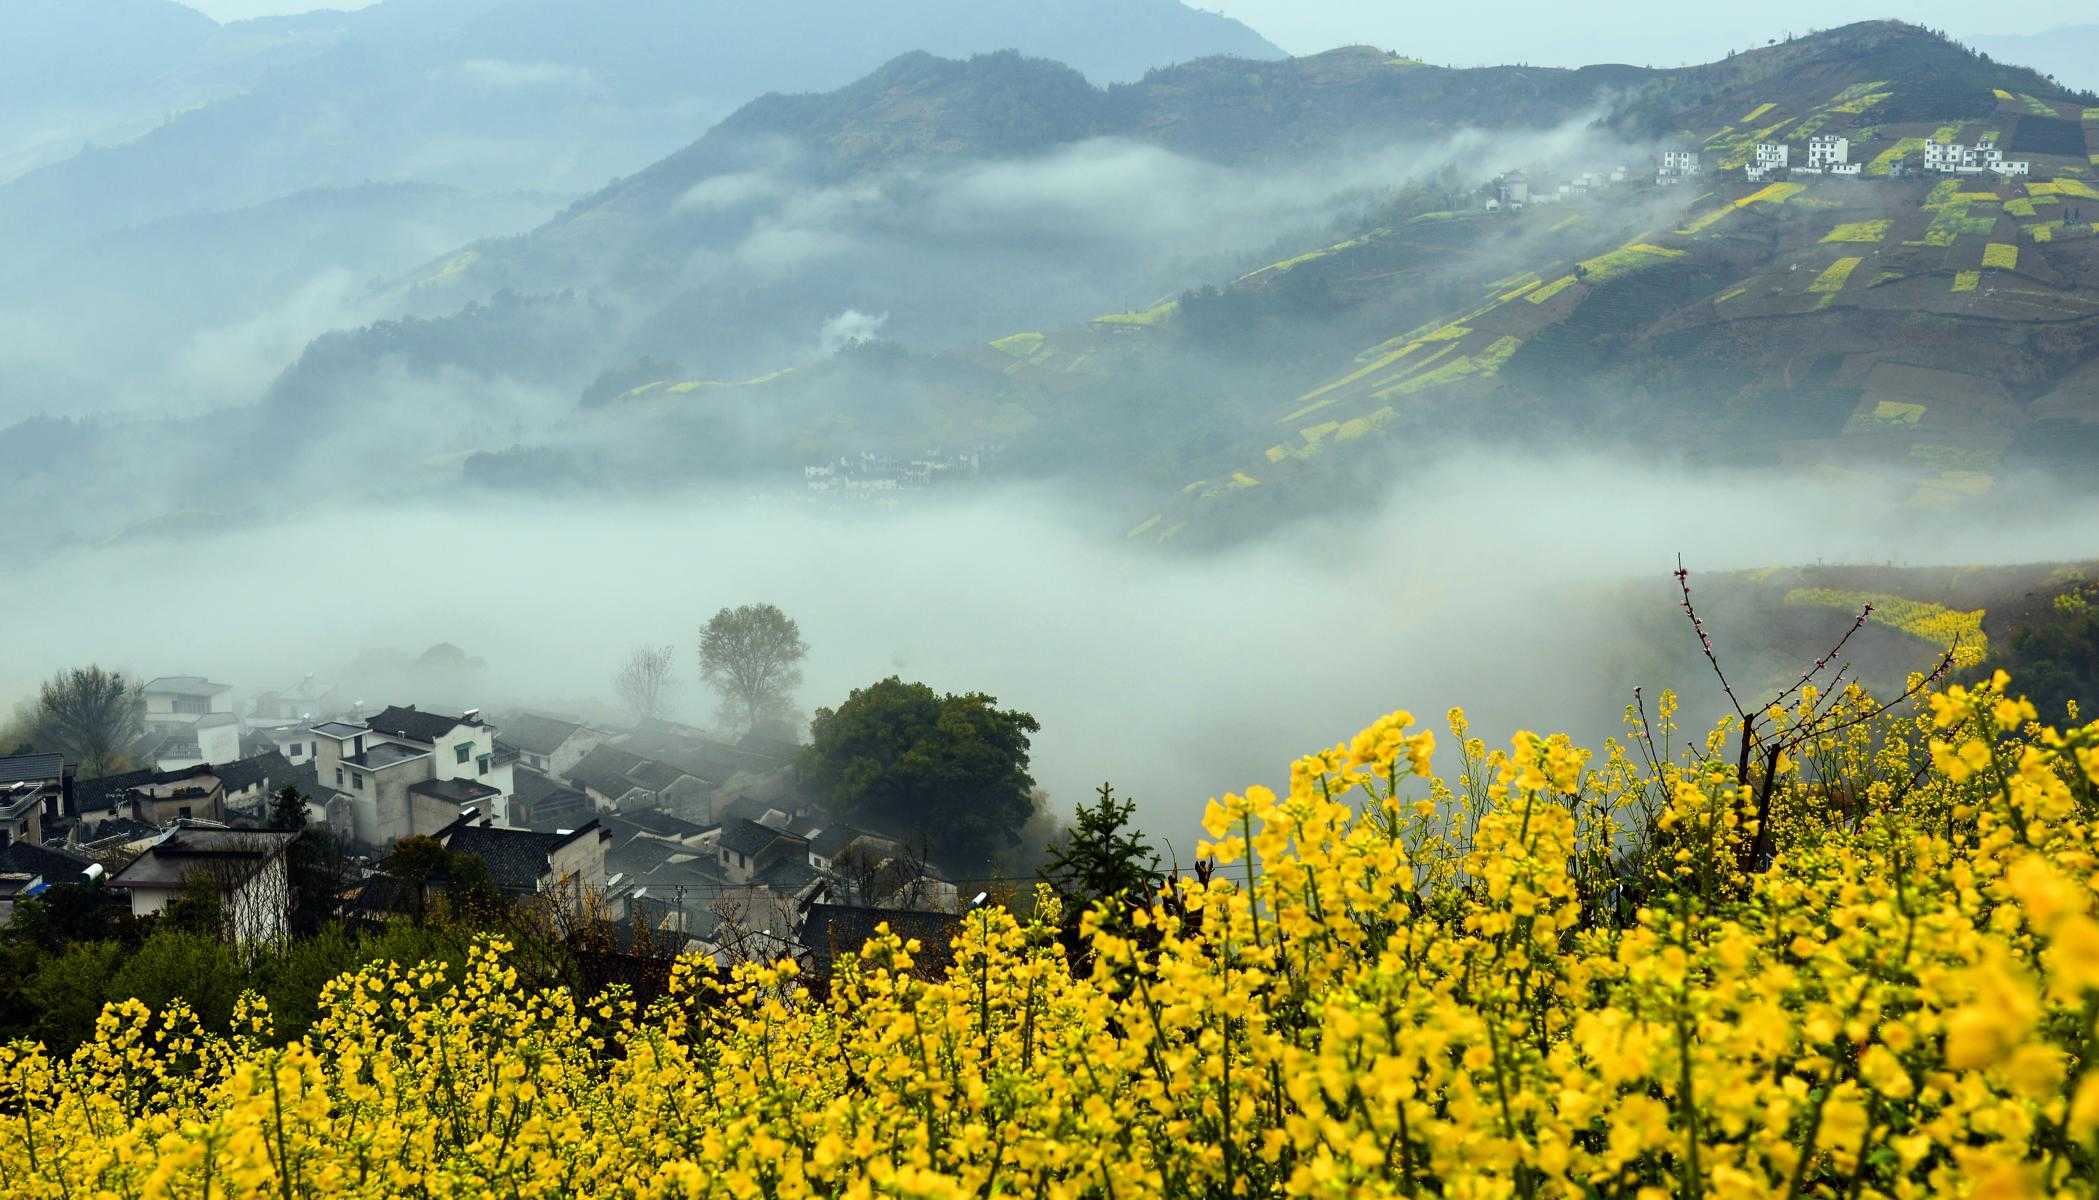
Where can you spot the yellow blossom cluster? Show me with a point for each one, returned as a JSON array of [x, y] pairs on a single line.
[[1552, 974]]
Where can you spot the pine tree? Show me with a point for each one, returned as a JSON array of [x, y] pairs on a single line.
[[1104, 857]]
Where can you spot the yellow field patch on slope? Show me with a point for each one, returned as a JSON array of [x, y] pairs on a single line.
[[1834, 276], [1770, 193], [1966, 281], [1756, 112], [1885, 161], [1547, 292], [2001, 256], [1634, 256], [1377, 359], [1486, 363], [453, 268], [1146, 316], [2060, 186], [1019, 345], [1934, 623], [1861, 103], [1315, 255], [1858, 231]]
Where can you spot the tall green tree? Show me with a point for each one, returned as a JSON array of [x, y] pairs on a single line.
[[752, 656], [288, 808], [92, 716], [1104, 856], [948, 772]]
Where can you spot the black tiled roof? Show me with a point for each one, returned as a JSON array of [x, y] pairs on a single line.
[[790, 875], [270, 769], [658, 821], [549, 805], [748, 837], [383, 754], [655, 776], [98, 795], [454, 791], [119, 829], [829, 840], [516, 858], [410, 722], [639, 856], [54, 864], [605, 769], [835, 929], [31, 768], [540, 735]]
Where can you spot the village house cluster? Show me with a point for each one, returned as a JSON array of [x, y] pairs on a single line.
[[1830, 154], [877, 477], [1514, 190], [696, 841]]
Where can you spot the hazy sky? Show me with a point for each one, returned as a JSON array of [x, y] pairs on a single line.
[[1552, 32]]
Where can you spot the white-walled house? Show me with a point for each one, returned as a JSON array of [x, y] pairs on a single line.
[[245, 866], [1982, 158], [1766, 158], [309, 700], [1677, 166], [183, 699], [294, 741], [1826, 151], [407, 772], [212, 740], [550, 745]]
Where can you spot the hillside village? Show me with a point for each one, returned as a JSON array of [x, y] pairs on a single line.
[[652, 833]]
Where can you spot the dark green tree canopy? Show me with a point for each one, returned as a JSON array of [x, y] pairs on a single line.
[[946, 772], [288, 808]]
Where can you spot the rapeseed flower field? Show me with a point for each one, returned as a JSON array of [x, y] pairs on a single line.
[[1540, 972]]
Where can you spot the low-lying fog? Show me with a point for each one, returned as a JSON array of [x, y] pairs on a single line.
[[1174, 676]]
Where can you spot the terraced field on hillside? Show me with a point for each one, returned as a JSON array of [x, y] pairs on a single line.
[[1918, 325]]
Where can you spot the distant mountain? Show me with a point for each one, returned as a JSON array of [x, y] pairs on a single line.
[[75, 51], [1944, 331], [75, 69], [194, 312], [2070, 53], [1225, 293], [924, 190], [481, 94]]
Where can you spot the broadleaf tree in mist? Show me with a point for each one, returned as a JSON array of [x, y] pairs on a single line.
[[92, 716], [752, 655], [946, 772], [644, 681]]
